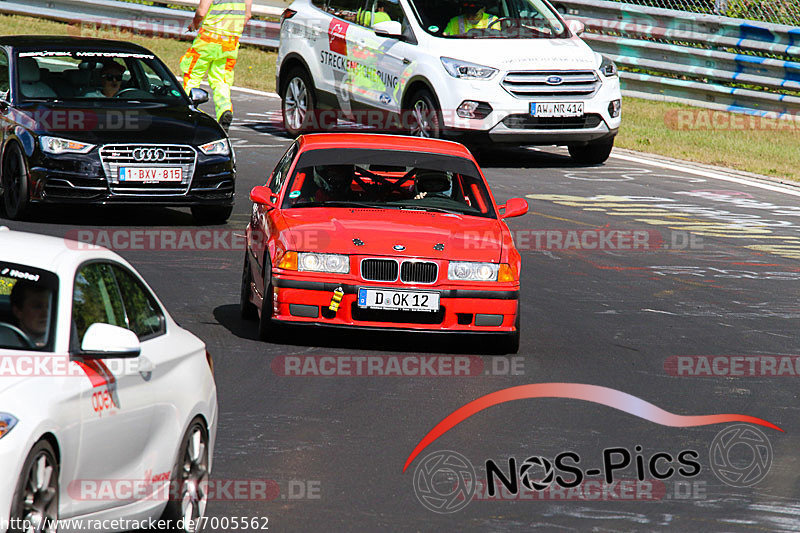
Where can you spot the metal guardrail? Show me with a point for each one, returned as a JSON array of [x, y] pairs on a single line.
[[704, 60], [138, 18]]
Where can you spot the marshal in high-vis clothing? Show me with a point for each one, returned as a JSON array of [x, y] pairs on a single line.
[[215, 50]]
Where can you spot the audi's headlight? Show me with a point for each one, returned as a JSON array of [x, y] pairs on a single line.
[[220, 147], [335, 263], [56, 145], [607, 67], [7, 423], [466, 70], [462, 271]]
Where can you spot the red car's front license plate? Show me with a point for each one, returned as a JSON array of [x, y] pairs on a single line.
[[398, 300]]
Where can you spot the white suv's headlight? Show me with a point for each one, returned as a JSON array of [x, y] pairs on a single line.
[[466, 70], [56, 145], [607, 67], [335, 263], [7, 423], [220, 147], [463, 271]]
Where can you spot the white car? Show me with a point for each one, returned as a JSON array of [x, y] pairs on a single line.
[[105, 402], [480, 71]]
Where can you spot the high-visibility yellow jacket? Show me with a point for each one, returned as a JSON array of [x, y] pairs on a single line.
[[225, 17], [460, 25]]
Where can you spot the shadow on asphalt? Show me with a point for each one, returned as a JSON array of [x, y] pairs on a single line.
[[110, 216], [388, 341]]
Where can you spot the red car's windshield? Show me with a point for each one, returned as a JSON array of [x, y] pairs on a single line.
[[388, 180]]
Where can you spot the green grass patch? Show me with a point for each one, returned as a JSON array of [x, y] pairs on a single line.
[[673, 130]]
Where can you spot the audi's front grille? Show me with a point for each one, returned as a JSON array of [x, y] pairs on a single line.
[[419, 272], [409, 271], [379, 269], [537, 84], [150, 156]]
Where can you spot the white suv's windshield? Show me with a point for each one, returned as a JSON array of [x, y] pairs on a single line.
[[489, 19]]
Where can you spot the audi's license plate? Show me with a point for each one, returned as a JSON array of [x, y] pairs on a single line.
[[557, 109], [398, 300], [150, 174]]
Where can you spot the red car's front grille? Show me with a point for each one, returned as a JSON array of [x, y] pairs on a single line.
[[409, 272], [419, 272], [379, 269]]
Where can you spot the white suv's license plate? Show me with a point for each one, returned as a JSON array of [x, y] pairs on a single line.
[[150, 174], [557, 109], [398, 300]]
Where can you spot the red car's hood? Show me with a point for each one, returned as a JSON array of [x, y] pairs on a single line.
[[465, 238]]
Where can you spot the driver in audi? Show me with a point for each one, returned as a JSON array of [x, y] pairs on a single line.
[[30, 304], [110, 79]]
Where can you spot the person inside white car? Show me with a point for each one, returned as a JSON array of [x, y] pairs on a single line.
[[30, 305], [473, 16]]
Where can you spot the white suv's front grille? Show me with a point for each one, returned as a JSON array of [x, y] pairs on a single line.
[[535, 84], [116, 156]]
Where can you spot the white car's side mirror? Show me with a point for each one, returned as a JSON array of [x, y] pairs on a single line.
[[576, 26], [104, 341], [388, 28]]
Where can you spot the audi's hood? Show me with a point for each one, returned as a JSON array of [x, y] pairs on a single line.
[[120, 123], [419, 234]]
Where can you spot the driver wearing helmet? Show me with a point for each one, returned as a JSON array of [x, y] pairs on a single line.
[[473, 16], [334, 182]]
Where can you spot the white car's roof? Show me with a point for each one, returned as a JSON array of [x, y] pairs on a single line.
[[45, 252]]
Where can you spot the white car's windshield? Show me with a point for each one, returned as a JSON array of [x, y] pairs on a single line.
[[27, 307], [489, 19], [95, 75]]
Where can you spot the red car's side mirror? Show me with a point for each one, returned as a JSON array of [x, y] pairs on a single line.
[[515, 207], [262, 195]]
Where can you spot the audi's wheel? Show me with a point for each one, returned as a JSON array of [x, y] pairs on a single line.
[[423, 117], [211, 215], [35, 501], [298, 105], [15, 184], [189, 481], [593, 153]]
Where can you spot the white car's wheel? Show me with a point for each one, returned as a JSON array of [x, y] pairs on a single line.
[[35, 501], [189, 483]]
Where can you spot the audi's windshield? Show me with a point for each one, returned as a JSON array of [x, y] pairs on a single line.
[[95, 75], [489, 19]]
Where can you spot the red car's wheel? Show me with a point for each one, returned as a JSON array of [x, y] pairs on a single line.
[[266, 327]]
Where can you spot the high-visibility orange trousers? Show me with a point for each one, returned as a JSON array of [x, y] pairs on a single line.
[[216, 56]]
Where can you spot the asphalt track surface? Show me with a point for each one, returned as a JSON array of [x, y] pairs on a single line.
[[722, 281]]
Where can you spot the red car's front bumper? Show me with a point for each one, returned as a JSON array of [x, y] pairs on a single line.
[[476, 310]]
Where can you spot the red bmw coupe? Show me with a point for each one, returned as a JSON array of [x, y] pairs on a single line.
[[375, 231]]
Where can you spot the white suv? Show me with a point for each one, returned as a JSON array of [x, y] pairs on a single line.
[[481, 71]]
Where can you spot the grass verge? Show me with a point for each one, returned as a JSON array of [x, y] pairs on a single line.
[[673, 130]]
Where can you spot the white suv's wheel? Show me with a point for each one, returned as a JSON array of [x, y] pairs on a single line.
[[297, 103], [423, 117]]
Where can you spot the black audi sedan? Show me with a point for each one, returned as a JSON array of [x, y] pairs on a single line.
[[92, 121]]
